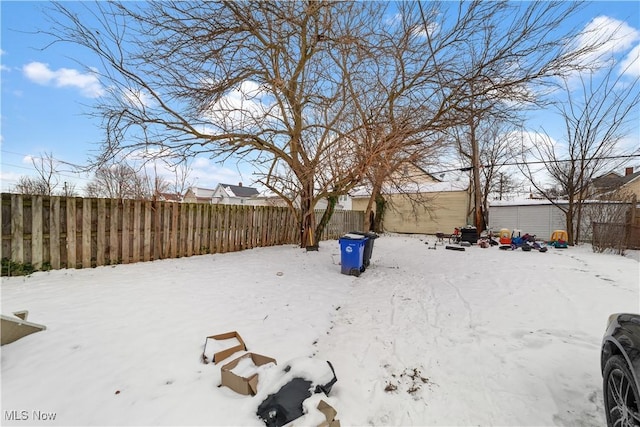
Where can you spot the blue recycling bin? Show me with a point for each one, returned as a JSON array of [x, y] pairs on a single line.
[[352, 254]]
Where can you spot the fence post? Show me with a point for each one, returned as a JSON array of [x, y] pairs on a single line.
[[54, 232], [72, 255], [86, 233], [17, 229], [101, 235], [36, 232]]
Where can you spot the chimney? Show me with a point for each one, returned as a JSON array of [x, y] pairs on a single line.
[[628, 171], [240, 184]]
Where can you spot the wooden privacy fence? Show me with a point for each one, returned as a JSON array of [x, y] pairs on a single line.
[[58, 232]]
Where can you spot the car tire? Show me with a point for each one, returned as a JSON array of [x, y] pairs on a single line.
[[621, 399]]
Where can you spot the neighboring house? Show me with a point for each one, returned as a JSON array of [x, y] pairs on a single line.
[[420, 203], [227, 194], [169, 197], [631, 182], [343, 203], [612, 181], [198, 195], [268, 198]]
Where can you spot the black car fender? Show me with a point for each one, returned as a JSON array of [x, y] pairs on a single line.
[[623, 338]]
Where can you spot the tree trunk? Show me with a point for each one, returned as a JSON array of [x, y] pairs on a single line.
[[569, 222], [375, 194], [578, 222], [326, 216], [479, 221], [307, 216], [381, 204]]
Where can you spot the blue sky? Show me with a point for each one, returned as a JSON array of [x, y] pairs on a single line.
[[46, 94]]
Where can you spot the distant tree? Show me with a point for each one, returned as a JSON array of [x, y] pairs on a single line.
[[597, 114], [118, 181], [514, 54], [31, 186], [181, 172], [68, 189], [499, 147], [47, 178], [610, 219]]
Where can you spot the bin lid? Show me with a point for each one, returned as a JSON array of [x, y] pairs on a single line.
[[369, 234], [353, 236]]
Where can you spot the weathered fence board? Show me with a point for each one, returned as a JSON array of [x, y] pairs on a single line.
[[17, 229], [82, 232], [54, 233], [71, 233], [36, 232]]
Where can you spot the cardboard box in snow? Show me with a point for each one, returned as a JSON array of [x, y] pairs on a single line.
[[329, 413], [241, 374], [234, 345]]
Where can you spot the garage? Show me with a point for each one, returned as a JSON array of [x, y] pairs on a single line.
[[537, 217]]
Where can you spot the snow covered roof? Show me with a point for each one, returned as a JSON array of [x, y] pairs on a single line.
[[413, 188], [201, 192], [239, 190], [533, 202], [524, 202]]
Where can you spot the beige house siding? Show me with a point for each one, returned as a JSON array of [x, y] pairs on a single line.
[[441, 212], [410, 173], [633, 187]]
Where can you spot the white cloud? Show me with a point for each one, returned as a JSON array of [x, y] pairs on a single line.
[[206, 173], [530, 139], [243, 107], [631, 63], [139, 98], [40, 73], [609, 36]]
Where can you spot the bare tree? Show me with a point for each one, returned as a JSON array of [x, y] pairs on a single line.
[[498, 148], [251, 80], [47, 178], [597, 116], [180, 182], [279, 84], [436, 76], [610, 220], [31, 186], [514, 50], [118, 181], [68, 189]]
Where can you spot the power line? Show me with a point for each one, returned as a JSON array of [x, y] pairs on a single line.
[[537, 162], [55, 173], [41, 158]]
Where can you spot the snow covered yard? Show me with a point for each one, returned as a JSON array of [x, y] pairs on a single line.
[[423, 337]]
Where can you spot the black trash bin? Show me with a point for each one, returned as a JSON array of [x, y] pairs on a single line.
[[368, 246], [469, 234]]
